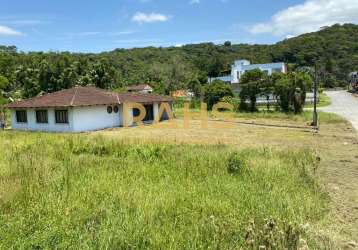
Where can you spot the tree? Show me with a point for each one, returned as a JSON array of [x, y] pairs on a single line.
[[252, 84], [334, 48], [102, 74], [215, 91], [268, 89], [283, 90], [45, 75], [195, 86], [29, 80], [291, 90], [4, 83], [227, 44]]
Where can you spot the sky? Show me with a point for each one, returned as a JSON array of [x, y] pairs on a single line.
[[95, 26]]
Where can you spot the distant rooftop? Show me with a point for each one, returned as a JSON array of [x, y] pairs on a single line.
[[139, 87]]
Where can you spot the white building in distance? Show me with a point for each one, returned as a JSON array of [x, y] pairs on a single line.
[[241, 66]]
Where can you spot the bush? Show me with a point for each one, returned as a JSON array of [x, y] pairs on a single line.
[[232, 100], [236, 164], [215, 91]]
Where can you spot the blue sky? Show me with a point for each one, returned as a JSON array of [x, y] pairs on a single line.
[[94, 26]]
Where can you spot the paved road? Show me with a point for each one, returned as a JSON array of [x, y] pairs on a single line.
[[345, 105]]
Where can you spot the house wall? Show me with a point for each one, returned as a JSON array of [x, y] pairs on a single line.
[[81, 119], [51, 126], [239, 70], [95, 118], [241, 66]]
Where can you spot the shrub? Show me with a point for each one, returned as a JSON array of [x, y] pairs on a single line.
[[236, 164], [231, 100], [215, 91], [274, 234]]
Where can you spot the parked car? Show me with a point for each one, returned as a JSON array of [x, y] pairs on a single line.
[[354, 81]]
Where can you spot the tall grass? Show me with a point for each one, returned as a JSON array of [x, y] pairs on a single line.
[[76, 192]]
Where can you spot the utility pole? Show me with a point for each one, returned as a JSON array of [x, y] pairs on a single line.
[[315, 115]]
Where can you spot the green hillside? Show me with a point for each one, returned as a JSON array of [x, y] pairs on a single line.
[[27, 74]]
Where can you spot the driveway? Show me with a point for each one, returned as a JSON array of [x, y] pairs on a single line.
[[343, 104]]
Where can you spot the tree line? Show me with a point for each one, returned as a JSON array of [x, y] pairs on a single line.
[[287, 90], [24, 75]]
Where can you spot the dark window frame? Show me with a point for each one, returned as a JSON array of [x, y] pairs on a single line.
[[42, 116], [61, 116], [109, 110], [18, 116]]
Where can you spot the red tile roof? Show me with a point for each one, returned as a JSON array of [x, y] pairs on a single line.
[[86, 96]]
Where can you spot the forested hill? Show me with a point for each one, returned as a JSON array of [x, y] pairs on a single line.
[[28, 74]]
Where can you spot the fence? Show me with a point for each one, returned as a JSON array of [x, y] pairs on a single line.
[[263, 100]]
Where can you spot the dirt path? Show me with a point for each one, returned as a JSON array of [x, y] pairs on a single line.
[[339, 170], [339, 174], [345, 105]]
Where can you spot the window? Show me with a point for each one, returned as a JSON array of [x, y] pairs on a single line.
[[61, 116], [109, 109], [277, 70], [136, 112], [116, 109], [41, 116], [21, 116]]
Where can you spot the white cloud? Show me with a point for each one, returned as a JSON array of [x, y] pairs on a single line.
[[308, 17], [194, 2], [7, 31], [121, 33], [141, 17]]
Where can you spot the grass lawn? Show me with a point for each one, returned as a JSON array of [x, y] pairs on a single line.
[[324, 100], [265, 117], [157, 188]]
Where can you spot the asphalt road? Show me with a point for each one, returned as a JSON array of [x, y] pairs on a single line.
[[345, 105]]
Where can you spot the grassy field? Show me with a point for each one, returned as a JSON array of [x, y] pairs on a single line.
[[263, 116], [234, 188], [77, 192]]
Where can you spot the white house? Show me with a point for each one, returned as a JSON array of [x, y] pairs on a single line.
[[241, 66], [82, 109], [140, 88]]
